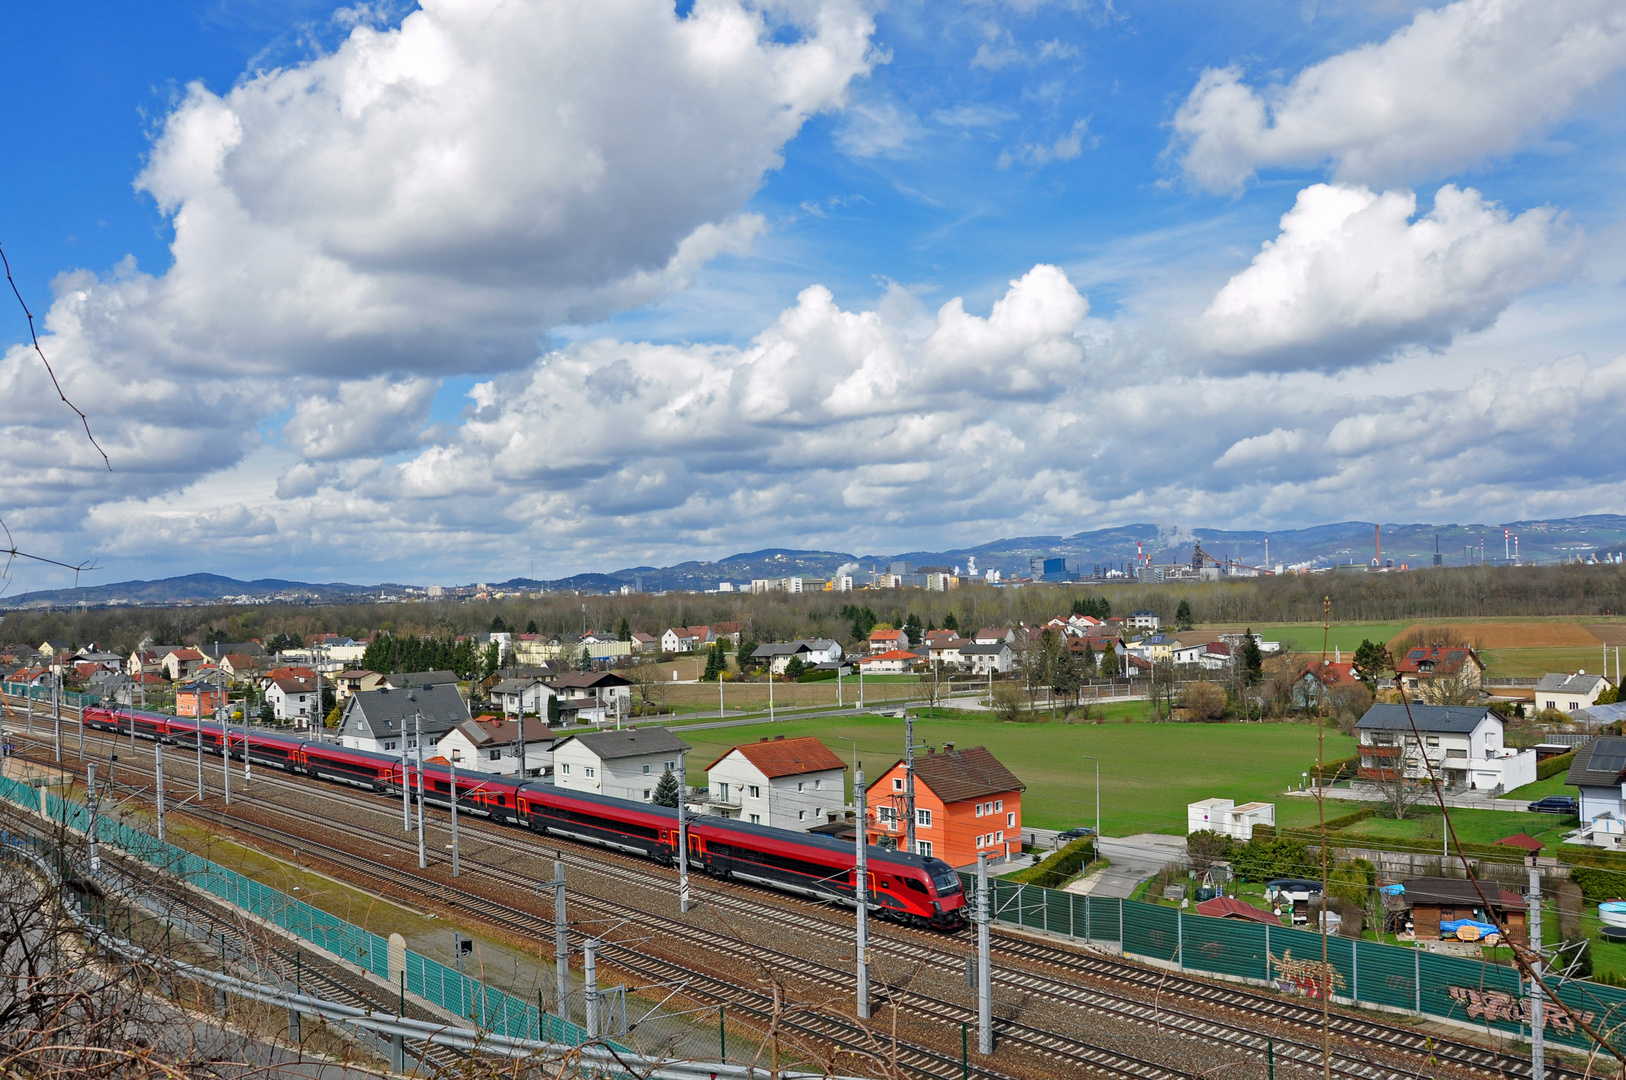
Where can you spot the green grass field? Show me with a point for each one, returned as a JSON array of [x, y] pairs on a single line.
[[1149, 772], [1306, 637], [1472, 826], [1511, 663]]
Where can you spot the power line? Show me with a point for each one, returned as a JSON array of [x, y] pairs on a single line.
[[83, 419]]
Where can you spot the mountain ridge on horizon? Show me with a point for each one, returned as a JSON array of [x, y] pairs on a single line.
[[1542, 541]]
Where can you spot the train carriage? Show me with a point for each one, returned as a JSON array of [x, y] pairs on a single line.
[[637, 828], [497, 797], [359, 768]]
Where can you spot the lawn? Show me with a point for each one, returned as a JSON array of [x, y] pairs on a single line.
[[1149, 772], [1511, 663], [1472, 826], [1308, 636], [1553, 785]]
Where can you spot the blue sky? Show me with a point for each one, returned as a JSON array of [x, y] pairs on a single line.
[[436, 292]]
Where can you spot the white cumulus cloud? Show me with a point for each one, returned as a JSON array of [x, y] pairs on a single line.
[[1455, 85], [1355, 273]]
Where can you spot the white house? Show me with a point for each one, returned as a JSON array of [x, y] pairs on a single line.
[[1599, 775], [1143, 620], [1228, 819], [785, 783], [591, 696], [494, 747], [387, 720], [519, 696], [811, 650], [993, 635], [621, 764], [983, 659], [645, 643], [947, 650], [1567, 693], [292, 700], [1462, 743], [894, 662]]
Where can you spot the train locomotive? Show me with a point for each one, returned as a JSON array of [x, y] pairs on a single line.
[[903, 887]]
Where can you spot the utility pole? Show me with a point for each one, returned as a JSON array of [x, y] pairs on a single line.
[[721, 711], [683, 834], [198, 732], [909, 780], [56, 713], [861, 895], [158, 774], [423, 854], [561, 942], [90, 833], [406, 786], [453, 765], [860, 685], [590, 979], [770, 691], [985, 982], [225, 737], [1538, 1048]]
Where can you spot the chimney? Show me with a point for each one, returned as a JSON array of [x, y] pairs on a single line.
[[778, 738], [765, 739], [948, 746], [1377, 542]]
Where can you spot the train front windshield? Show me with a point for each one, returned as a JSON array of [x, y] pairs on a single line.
[[944, 878]]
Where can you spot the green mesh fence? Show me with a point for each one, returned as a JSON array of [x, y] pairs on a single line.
[[1373, 973], [485, 1007], [70, 698]]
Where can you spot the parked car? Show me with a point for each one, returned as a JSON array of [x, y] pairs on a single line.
[[1076, 833], [1555, 804]]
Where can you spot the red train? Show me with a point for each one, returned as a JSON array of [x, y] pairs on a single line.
[[904, 887]]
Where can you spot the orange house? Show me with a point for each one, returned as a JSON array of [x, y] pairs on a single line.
[[965, 802], [198, 699]]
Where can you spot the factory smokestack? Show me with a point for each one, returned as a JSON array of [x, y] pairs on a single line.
[[1377, 544]]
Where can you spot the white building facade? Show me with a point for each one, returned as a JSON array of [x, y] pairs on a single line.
[[620, 764], [783, 783]]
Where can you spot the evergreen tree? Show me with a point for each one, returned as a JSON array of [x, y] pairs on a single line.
[[912, 627], [1182, 615], [795, 668], [489, 659], [584, 662], [1086, 666], [1251, 659], [1109, 662], [624, 631], [1372, 660], [553, 710], [716, 662], [666, 790], [498, 626], [530, 626], [743, 659], [951, 622]]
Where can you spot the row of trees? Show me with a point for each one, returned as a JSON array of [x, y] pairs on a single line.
[[1425, 594]]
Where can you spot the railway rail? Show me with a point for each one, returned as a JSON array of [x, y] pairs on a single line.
[[1283, 1022]]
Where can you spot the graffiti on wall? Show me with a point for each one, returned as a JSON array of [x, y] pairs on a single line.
[[1494, 1005], [1312, 978]]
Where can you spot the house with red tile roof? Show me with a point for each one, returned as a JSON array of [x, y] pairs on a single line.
[[1425, 663], [1225, 907], [785, 783], [891, 662], [887, 640], [181, 664], [966, 802]]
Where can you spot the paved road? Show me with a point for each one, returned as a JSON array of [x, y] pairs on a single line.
[[1134, 859]]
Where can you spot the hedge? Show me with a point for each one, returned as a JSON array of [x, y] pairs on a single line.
[[1582, 855], [1491, 852], [1057, 867], [1550, 768], [1598, 884], [1334, 771]]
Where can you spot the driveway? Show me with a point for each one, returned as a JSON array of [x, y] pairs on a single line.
[[1134, 859]]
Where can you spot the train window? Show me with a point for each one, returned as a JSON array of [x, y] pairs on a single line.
[[915, 885]]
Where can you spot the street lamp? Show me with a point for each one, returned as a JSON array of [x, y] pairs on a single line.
[[1091, 757]]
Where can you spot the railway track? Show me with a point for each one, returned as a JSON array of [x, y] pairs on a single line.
[[849, 1037], [144, 887], [1287, 1023]]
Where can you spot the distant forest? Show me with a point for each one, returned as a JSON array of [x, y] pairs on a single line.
[[1420, 594]]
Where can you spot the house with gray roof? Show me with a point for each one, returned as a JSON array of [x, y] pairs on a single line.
[[1598, 774], [621, 764], [403, 680], [1569, 693], [388, 720], [1459, 745], [813, 651]]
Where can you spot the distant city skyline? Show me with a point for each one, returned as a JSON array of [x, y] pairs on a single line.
[[348, 292]]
